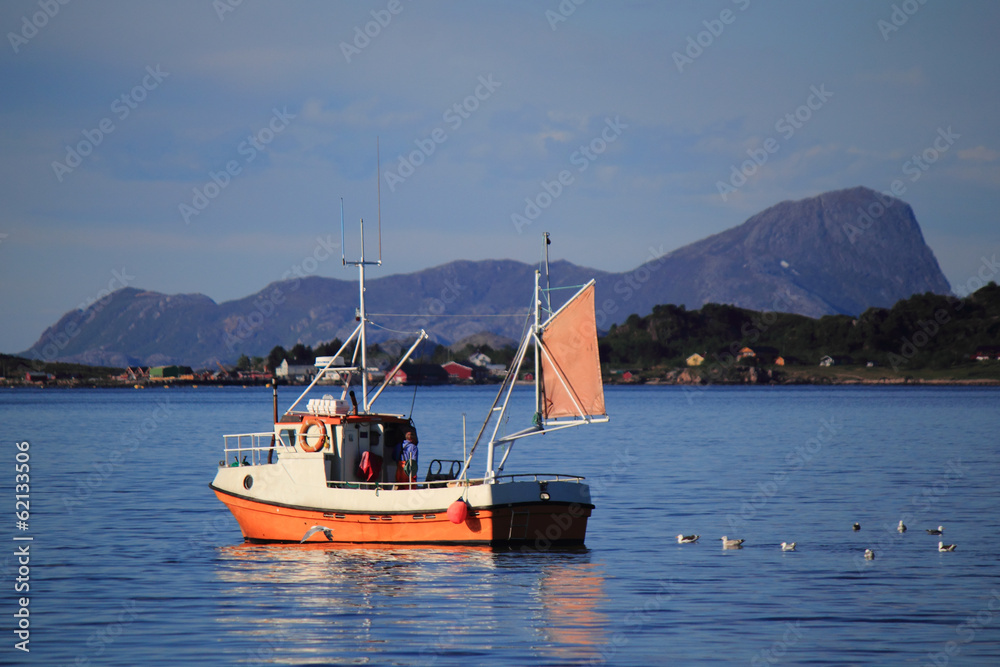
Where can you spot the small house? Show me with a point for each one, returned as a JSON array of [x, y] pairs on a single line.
[[422, 374], [479, 359], [295, 371], [988, 353], [457, 371], [827, 361], [171, 373], [695, 360]]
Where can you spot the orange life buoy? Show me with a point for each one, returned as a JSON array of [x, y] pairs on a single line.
[[304, 435]]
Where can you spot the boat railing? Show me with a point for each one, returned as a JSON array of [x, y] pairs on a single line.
[[540, 477], [437, 484], [251, 449], [400, 486]]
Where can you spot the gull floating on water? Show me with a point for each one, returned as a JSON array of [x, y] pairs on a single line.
[[946, 547], [687, 539], [939, 531], [731, 544], [788, 547], [856, 526], [869, 554], [315, 529], [901, 528]]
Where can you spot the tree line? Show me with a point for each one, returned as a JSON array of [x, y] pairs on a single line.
[[925, 331]]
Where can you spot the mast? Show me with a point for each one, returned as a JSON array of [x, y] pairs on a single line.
[[538, 324], [537, 328], [361, 312]]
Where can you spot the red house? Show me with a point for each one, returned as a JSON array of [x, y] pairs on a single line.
[[457, 371]]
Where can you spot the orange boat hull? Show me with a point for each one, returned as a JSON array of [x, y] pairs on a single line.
[[539, 525]]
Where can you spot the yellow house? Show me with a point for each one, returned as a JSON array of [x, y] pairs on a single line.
[[695, 360]]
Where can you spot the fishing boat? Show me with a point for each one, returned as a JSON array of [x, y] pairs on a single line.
[[327, 471]]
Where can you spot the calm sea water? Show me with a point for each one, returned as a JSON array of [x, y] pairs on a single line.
[[134, 561]]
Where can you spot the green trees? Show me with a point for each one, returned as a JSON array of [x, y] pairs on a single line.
[[924, 331]]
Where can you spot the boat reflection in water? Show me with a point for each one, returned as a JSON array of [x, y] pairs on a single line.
[[416, 605]]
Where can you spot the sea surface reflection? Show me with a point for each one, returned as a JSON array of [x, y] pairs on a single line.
[[296, 604]]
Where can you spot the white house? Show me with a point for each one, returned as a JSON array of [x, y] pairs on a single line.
[[479, 359], [294, 371]]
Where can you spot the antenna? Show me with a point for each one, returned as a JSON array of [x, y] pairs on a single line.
[[343, 257], [548, 293], [378, 183]]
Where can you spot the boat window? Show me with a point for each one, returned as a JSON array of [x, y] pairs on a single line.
[[288, 437]]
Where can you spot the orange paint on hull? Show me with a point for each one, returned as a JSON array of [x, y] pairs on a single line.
[[538, 525]]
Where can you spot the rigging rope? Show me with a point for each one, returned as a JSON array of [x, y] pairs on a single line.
[[405, 333]]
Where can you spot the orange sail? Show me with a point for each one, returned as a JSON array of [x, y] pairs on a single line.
[[571, 368]]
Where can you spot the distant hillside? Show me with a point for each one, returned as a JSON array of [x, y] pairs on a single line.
[[817, 256]]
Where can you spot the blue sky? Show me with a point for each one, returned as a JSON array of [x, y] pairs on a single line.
[[204, 147]]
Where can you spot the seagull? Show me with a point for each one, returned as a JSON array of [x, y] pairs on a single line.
[[731, 544], [939, 531], [788, 547], [687, 539], [901, 528], [315, 529], [856, 526], [946, 547], [869, 554]]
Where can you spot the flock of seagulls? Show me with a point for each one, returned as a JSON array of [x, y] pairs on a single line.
[[790, 546]]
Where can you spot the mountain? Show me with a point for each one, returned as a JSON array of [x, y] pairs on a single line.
[[837, 253]]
